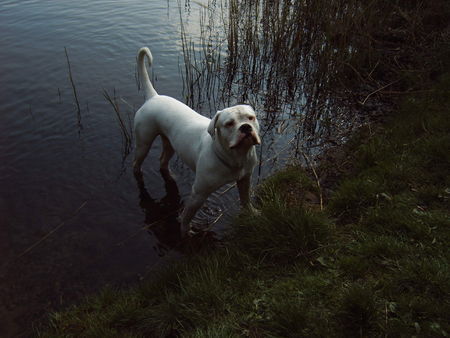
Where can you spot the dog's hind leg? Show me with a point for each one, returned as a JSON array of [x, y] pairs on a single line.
[[139, 157], [143, 144], [166, 154]]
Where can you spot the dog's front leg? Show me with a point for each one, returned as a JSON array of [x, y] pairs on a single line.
[[244, 193], [244, 190], [194, 203]]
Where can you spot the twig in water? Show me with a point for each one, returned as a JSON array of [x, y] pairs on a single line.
[[48, 234], [147, 227], [74, 89], [209, 227]]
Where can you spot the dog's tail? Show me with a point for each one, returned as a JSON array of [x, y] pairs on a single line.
[[149, 91]]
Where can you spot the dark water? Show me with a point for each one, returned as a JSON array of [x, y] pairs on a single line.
[[71, 214]]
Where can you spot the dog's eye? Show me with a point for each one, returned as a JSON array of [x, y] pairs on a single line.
[[229, 124], [251, 118]]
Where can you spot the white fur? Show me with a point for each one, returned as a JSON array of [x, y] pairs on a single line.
[[219, 151]]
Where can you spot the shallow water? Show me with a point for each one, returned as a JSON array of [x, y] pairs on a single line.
[[71, 214]]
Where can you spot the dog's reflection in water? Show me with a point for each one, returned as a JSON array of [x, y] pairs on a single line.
[[161, 218]]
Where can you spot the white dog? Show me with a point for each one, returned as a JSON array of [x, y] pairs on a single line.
[[219, 151]]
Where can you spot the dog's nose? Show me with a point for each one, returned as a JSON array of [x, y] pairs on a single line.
[[245, 128]]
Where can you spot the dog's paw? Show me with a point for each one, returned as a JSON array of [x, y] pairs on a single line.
[[254, 211], [185, 231], [191, 233]]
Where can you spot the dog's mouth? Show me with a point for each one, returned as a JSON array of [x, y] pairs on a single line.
[[246, 140]]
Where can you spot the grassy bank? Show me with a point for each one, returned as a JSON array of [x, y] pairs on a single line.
[[374, 262]]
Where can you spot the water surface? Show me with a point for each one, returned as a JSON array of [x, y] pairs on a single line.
[[72, 218], [64, 171]]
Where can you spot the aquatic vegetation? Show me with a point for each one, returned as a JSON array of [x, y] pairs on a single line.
[[331, 64]]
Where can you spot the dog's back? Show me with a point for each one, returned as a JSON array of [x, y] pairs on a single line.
[[182, 126]]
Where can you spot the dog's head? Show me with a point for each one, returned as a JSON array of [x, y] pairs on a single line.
[[237, 126]]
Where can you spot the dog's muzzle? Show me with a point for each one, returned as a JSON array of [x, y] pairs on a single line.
[[247, 137]]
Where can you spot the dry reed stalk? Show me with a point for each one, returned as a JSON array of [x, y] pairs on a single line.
[[74, 89], [315, 60], [126, 131]]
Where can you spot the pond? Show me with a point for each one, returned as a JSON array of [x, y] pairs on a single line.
[[72, 218]]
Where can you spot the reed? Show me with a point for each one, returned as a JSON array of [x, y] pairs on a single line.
[[203, 59], [328, 63], [74, 89], [124, 121]]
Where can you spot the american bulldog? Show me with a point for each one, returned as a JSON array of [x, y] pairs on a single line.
[[220, 150]]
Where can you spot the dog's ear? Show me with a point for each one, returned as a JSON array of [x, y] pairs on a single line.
[[212, 124]]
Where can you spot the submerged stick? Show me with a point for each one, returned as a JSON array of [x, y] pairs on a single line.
[[73, 88], [147, 227], [51, 232]]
